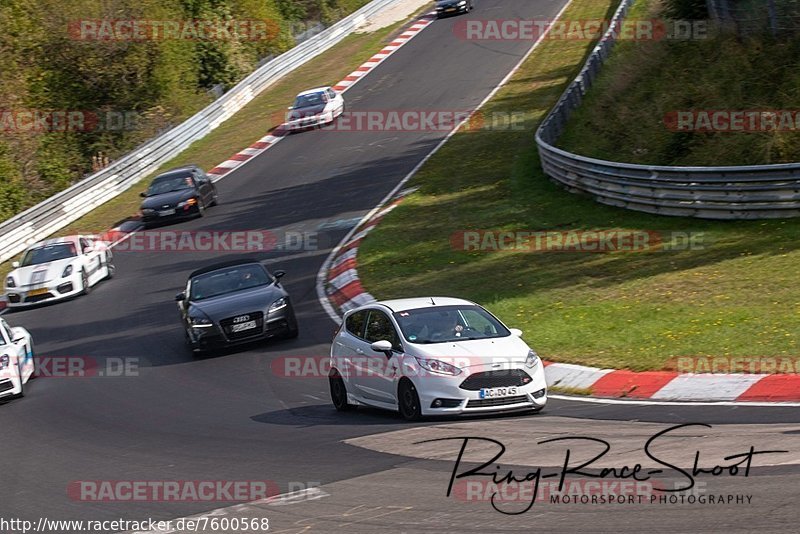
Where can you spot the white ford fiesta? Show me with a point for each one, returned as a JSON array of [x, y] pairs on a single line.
[[58, 268], [433, 355]]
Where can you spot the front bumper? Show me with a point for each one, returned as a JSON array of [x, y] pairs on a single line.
[[214, 337], [9, 386], [179, 215], [20, 297], [455, 10], [309, 122], [458, 401]]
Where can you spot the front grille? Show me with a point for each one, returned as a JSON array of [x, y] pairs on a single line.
[[496, 379], [501, 401], [6, 385], [227, 325]]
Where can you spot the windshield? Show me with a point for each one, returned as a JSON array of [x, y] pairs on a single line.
[[48, 253], [449, 323], [166, 184], [228, 280], [311, 99]]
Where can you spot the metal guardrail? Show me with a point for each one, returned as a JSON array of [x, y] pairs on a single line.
[[65, 207], [740, 192]]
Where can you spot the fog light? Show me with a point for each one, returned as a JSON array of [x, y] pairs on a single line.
[[539, 394], [437, 403]]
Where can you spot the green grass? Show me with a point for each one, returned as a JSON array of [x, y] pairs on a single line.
[[623, 118], [736, 296], [254, 121]]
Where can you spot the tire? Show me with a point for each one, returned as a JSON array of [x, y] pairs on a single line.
[[408, 401], [86, 287], [338, 392], [201, 207], [215, 199]]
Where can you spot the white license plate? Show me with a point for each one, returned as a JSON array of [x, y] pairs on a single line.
[[495, 393], [243, 326], [164, 213]]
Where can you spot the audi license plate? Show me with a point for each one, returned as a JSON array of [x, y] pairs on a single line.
[[494, 393], [238, 327]]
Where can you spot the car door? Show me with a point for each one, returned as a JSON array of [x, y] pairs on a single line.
[[346, 349], [23, 351], [90, 259], [204, 189], [381, 370], [337, 102]]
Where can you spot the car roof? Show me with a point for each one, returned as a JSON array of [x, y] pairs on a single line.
[[186, 169], [315, 90], [397, 305], [56, 240], [223, 265]]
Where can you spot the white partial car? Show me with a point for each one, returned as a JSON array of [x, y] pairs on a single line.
[[16, 360], [58, 268], [315, 107], [433, 355]]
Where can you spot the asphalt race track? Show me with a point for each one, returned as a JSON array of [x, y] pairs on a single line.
[[231, 417]]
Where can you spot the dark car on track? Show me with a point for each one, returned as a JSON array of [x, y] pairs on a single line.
[[235, 302], [453, 7], [180, 193]]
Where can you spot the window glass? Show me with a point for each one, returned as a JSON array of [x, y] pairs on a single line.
[[355, 323], [379, 327]]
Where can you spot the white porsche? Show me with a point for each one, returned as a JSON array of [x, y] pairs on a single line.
[[16, 360], [433, 355], [315, 107], [58, 268]]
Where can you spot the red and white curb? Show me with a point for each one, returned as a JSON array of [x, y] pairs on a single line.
[[342, 286], [270, 140], [674, 386]]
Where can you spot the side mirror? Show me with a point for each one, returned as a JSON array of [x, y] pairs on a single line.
[[180, 297], [143, 194], [14, 264], [279, 274], [382, 346], [515, 331]]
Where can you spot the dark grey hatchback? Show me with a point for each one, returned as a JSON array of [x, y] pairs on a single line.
[[235, 302]]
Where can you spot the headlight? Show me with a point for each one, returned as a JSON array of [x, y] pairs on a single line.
[[67, 271], [188, 202], [10, 282], [462, 3], [438, 366], [279, 304], [200, 322], [532, 360], [4, 361]]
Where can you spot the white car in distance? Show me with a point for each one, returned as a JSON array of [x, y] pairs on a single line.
[[433, 355], [315, 107]]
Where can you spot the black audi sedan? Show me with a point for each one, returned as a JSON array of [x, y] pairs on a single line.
[[235, 302], [453, 7], [180, 193]]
